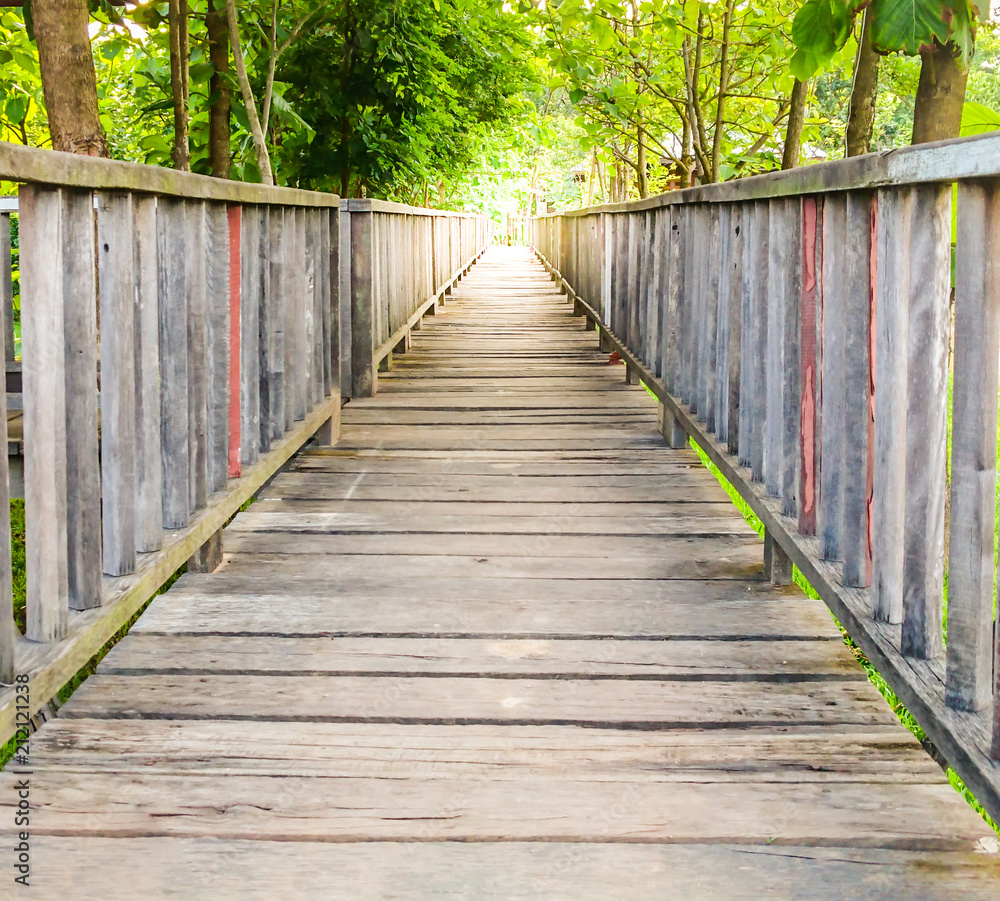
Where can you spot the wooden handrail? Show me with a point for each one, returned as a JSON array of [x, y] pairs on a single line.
[[404, 262], [799, 332], [941, 162]]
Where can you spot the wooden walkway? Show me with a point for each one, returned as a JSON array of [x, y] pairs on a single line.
[[501, 642]]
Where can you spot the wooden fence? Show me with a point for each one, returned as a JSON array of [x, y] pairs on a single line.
[[404, 261], [797, 326]]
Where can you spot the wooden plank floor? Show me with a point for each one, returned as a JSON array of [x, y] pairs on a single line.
[[500, 643]]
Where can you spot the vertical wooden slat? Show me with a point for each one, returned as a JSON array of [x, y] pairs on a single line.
[[671, 316], [6, 288], [175, 456], [118, 413], [710, 314], [833, 474], [974, 448], [810, 420], [316, 263], [197, 333], [277, 301], [791, 442], [928, 316], [83, 493], [335, 348], [735, 301], [362, 302], [346, 292], [46, 238], [779, 231], [233, 221], [297, 350], [265, 315], [758, 343], [894, 237], [858, 275], [148, 472], [8, 629], [720, 388], [218, 338], [250, 299], [747, 331]]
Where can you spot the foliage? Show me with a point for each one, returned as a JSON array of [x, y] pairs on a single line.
[[822, 27], [701, 86], [404, 95]]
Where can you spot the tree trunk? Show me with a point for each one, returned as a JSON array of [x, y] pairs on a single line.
[[176, 21], [219, 112], [69, 82], [796, 119], [720, 106], [259, 142], [642, 180], [937, 111], [861, 120]]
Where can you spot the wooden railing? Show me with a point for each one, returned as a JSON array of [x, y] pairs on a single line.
[[797, 326], [404, 261], [180, 343]]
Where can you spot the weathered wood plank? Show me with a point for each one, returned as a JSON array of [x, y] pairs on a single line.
[[971, 566], [297, 809], [501, 753], [46, 235], [893, 286], [115, 261], [174, 404], [149, 471], [635, 703], [372, 871], [569, 658], [926, 422]]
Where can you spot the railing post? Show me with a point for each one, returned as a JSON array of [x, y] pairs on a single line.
[[364, 378], [777, 564]]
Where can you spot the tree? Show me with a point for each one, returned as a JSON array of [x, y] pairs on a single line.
[[690, 91], [401, 94], [66, 64], [941, 32], [864, 90], [220, 92]]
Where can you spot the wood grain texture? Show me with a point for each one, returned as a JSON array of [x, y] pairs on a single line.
[[495, 670], [44, 227], [259, 871], [115, 260], [149, 469], [971, 565]]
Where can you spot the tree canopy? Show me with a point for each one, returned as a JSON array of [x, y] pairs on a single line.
[[512, 104]]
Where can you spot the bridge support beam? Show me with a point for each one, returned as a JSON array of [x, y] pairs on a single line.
[[669, 427], [777, 564], [208, 557]]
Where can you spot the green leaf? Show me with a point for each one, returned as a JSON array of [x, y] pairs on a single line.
[[16, 108], [909, 25], [576, 95], [978, 119], [804, 64], [821, 26]]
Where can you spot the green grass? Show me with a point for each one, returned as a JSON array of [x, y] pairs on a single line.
[[905, 717]]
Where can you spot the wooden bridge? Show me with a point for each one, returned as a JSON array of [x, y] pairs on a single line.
[[495, 631]]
